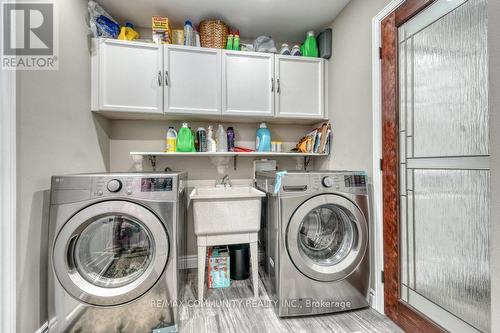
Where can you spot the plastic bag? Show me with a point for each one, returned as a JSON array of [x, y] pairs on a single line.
[[101, 23], [264, 44]]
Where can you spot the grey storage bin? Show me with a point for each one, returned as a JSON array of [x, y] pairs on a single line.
[[324, 40]]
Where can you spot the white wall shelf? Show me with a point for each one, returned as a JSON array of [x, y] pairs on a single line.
[[230, 154], [222, 158]]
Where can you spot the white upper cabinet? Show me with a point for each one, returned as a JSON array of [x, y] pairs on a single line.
[[127, 76], [145, 78], [300, 87], [248, 83], [192, 80]]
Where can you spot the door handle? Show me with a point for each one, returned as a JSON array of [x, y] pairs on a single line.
[[297, 188], [278, 89], [166, 78], [159, 79], [272, 84]]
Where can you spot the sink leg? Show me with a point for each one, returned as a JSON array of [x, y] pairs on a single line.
[[202, 254], [255, 269]]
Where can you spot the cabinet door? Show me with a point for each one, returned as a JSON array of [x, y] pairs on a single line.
[[192, 80], [130, 76], [300, 87], [247, 83]]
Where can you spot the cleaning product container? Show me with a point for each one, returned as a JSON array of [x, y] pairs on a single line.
[[310, 45], [171, 140], [263, 140], [185, 140], [221, 138]]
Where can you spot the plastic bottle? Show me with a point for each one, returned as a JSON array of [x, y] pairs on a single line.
[[310, 45], [229, 44], [201, 137], [236, 41], [285, 50], [230, 139], [263, 140], [211, 145], [171, 140], [188, 33], [185, 142], [296, 51], [221, 138]]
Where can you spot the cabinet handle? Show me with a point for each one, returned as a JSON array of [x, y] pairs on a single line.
[[159, 78], [278, 88], [272, 84], [166, 78]]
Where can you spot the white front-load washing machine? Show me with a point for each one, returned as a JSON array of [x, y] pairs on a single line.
[[114, 248], [316, 241]]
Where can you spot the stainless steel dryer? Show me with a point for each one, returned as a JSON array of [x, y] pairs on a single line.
[[316, 241], [114, 252]]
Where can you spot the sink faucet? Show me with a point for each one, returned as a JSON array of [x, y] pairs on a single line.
[[225, 181]]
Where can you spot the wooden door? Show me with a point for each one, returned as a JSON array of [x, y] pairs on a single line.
[[435, 166]]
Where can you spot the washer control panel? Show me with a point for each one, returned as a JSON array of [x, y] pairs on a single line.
[[349, 182], [143, 187]]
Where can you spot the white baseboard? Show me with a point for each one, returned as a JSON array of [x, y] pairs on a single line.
[[44, 328]]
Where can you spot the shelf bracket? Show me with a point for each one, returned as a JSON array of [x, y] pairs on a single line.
[[307, 160], [152, 159], [235, 162]]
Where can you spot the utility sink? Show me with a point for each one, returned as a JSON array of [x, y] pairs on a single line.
[[226, 210]]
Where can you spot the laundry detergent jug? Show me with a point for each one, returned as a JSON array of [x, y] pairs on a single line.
[[263, 140], [185, 139]]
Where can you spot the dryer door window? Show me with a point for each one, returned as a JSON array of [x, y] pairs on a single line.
[[110, 253], [113, 251], [327, 237]]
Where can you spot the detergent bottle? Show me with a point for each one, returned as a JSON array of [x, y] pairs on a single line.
[[310, 45], [185, 140], [263, 140]]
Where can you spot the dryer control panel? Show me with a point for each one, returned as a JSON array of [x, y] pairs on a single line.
[[75, 188]]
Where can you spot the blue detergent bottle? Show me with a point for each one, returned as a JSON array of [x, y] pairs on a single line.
[[263, 140]]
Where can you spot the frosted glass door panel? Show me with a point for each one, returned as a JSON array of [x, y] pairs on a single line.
[[450, 98], [451, 232], [444, 165]]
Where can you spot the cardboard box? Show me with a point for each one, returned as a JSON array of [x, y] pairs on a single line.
[[218, 267], [162, 32]]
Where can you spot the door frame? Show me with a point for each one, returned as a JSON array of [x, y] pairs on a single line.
[[8, 193], [385, 164]]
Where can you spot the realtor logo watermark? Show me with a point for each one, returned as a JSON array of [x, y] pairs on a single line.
[[29, 35]]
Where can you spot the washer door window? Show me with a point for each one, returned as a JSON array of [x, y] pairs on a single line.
[[110, 253], [327, 237]]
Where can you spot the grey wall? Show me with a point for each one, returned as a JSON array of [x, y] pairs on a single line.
[[57, 134], [350, 91], [494, 94], [350, 86]]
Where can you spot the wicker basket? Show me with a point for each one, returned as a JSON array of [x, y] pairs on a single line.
[[213, 33]]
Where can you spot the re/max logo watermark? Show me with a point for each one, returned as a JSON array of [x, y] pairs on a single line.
[[29, 35]]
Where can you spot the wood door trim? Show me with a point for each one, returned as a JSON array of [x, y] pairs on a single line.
[[410, 8], [410, 319]]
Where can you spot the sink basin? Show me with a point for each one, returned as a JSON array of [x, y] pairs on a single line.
[[226, 210]]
